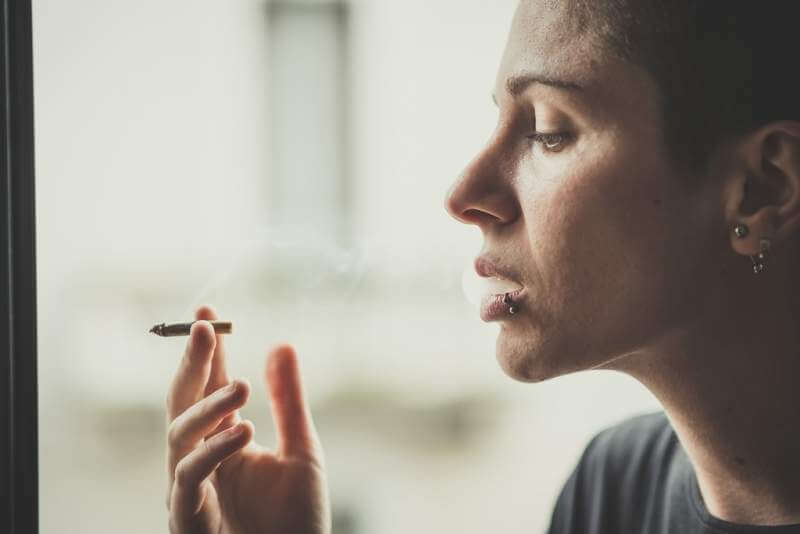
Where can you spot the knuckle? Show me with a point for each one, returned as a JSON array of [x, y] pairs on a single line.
[[208, 448], [182, 474], [173, 434]]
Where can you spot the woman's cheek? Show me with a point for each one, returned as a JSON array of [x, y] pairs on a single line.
[[584, 237]]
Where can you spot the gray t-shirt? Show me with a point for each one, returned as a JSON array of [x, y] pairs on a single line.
[[635, 478]]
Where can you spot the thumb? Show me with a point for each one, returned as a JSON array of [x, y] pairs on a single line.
[[295, 427]]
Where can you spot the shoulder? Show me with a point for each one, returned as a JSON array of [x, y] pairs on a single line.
[[623, 468], [629, 459], [631, 442]]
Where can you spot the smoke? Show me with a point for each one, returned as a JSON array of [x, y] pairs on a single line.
[[304, 262], [288, 258]]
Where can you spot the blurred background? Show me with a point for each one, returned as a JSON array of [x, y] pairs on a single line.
[[285, 161]]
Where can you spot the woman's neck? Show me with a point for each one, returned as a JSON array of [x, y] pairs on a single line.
[[729, 385]]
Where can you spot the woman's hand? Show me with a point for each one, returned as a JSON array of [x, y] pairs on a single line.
[[219, 481]]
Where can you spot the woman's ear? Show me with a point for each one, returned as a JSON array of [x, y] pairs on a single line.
[[764, 190]]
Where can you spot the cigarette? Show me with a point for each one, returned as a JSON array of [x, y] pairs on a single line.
[[182, 329]]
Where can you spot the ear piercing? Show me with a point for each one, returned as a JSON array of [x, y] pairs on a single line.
[[759, 260]]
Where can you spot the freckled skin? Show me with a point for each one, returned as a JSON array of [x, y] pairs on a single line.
[[604, 234]]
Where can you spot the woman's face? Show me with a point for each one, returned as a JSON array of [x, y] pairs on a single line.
[[590, 218]]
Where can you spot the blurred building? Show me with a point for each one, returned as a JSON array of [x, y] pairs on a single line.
[[287, 162]]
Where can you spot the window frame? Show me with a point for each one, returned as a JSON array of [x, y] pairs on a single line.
[[19, 490]]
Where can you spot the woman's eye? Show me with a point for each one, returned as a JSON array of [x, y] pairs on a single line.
[[551, 142]]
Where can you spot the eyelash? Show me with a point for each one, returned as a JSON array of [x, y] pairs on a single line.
[[546, 139]]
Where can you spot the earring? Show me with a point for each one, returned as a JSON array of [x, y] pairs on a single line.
[[741, 230], [760, 258]]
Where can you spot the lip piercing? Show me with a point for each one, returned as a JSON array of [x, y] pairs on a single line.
[[511, 308]]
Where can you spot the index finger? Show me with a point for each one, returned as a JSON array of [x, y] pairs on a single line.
[[191, 378], [219, 374]]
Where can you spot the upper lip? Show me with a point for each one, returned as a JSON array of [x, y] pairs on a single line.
[[487, 268]]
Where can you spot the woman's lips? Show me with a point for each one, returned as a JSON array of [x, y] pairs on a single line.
[[485, 286], [495, 285]]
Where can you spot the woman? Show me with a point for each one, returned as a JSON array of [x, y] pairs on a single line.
[[640, 197]]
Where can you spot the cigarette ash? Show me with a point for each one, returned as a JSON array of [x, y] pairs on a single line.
[[158, 329]]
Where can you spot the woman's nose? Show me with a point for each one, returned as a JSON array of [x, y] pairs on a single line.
[[482, 195]]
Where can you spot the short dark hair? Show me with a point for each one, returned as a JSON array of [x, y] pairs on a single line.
[[724, 67]]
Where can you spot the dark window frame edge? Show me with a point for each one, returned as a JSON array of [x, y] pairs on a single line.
[[19, 500]]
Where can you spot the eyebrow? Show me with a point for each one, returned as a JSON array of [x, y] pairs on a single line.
[[516, 85]]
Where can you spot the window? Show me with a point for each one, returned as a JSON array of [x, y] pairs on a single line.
[[308, 73], [286, 162], [18, 398]]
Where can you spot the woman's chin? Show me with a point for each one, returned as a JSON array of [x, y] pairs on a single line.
[[518, 358], [527, 359]]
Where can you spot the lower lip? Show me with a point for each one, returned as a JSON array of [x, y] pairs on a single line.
[[493, 308]]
